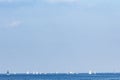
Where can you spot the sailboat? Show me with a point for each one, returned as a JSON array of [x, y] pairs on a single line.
[[92, 72], [8, 73]]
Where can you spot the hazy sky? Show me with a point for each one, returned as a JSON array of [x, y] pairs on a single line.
[[59, 35]]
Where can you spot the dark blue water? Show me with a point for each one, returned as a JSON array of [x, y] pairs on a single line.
[[61, 77]]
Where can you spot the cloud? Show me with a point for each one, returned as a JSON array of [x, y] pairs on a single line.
[[10, 24], [15, 24]]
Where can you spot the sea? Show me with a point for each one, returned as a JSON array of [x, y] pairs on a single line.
[[80, 76]]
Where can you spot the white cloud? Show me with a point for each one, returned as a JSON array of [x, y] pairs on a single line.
[[15, 24], [10, 23]]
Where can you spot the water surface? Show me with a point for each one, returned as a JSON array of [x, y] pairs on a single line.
[[110, 76]]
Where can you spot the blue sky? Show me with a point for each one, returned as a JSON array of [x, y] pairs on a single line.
[[59, 35]]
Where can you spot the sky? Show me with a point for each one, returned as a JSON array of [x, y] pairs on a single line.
[[59, 35]]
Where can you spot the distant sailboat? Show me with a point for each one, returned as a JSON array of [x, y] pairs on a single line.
[[8, 73], [27, 72], [92, 72]]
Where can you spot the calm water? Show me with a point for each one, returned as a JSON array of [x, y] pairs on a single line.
[[61, 77]]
